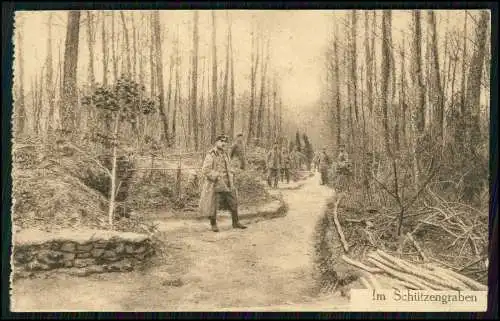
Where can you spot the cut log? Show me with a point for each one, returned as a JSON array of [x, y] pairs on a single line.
[[360, 265], [419, 272], [399, 275], [338, 227], [451, 279], [430, 285], [468, 281]]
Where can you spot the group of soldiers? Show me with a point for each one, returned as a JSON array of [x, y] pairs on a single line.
[[218, 188], [323, 163], [279, 163]]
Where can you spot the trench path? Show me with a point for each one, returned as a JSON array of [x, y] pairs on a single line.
[[268, 266]]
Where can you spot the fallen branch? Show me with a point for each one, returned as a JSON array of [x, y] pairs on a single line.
[[339, 228]]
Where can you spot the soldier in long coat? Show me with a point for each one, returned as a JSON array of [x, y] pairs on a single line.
[[273, 166], [324, 165], [218, 185], [238, 151]]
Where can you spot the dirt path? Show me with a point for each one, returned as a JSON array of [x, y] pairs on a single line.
[[269, 265]]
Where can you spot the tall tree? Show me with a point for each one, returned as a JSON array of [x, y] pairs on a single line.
[[104, 51], [402, 95], [418, 109], [354, 68], [369, 64], [386, 16], [91, 43], [194, 77], [177, 87], [159, 75], [260, 112], [20, 119], [152, 64], [233, 97], [337, 91], [69, 88], [114, 43], [474, 83], [253, 72], [213, 132], [134, 40], [128, 72], [49, 79], [436, 92], [225, 87]]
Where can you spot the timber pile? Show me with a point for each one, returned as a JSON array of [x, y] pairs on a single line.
[[409, 275]]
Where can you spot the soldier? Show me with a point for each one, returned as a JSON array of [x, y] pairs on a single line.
[[273, 165], [324, 165], [238, 151], [218, 185], [285, 169], [342, 159], [316, 162], [343, 171]]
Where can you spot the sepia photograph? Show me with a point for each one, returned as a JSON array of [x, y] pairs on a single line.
[[250, 160]]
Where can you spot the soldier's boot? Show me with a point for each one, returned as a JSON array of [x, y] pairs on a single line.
[[236, 222], [213, 224]]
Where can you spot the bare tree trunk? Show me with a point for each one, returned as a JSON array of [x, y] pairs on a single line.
[[134, 39], [104, 52], [177, 87], [254, 65], [386, 16], [418, 110], [127, 44], [437, 90], [354, 64], [374, 63], [194, 77], [260, 113], [369, 65], [159, 75], [275, 110], [474, 83], [350, 124], [402, 97], [337, 92], [268, 112], [20, 118], [232, 117], [113, 47], [69, 89], [152, 58], [49, 83], [169, 90], [213, 118], [91, 41], [225, 86]]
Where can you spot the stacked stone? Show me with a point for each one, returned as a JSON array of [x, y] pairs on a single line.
[[82, 257]]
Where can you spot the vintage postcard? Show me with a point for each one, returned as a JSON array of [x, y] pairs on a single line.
[[250, 160]]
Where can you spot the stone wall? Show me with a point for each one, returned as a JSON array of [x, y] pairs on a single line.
[[81, 252]]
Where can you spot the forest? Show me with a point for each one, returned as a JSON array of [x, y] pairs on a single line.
[[120, 93]]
